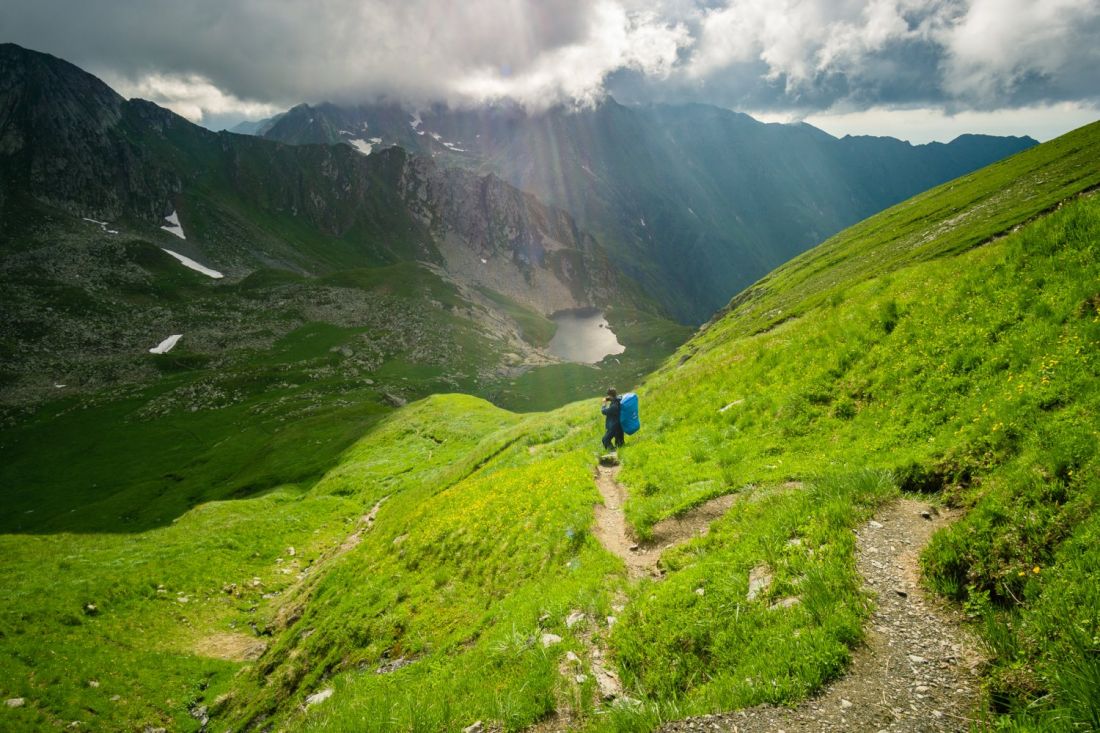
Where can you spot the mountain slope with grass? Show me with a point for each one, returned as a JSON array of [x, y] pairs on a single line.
[[68, 142], [442, 567]]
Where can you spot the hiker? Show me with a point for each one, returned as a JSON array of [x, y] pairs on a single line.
[[611, 408]]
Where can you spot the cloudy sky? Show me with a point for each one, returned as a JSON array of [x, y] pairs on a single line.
[[916, 69]]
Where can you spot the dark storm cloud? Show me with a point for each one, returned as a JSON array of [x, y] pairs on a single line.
[[951, 54], [217, 57], [293, 50]]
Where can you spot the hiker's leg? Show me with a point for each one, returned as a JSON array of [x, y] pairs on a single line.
[[607, 439], [620, 437]]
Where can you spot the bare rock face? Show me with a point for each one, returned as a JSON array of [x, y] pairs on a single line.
[[492, 234], [66, 138]]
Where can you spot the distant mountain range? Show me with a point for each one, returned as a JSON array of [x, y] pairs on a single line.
[[503, 217], [693, 201]]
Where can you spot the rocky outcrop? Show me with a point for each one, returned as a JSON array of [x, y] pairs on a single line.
[[492, 234], [66, 138]]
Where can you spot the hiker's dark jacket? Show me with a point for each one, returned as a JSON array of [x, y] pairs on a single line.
[[611, 413]]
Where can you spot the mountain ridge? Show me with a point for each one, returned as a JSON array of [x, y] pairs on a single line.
[[700, 203], [146, 159]]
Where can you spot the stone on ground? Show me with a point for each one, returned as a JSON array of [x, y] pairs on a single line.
[[319, 696]]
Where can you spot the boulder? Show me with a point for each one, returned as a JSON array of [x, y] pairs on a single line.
[[760, 579]]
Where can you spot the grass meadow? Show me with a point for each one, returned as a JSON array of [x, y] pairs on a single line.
[[947, 346]]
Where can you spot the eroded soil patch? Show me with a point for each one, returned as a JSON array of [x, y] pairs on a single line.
[[231, 647], [616, 535]]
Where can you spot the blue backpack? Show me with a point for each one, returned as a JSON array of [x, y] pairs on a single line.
[[628, 413]]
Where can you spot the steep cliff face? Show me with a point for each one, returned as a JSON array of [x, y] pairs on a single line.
[[67, 139]]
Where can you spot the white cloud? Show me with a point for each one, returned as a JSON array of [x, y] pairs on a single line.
[[210, 58], [575, 73], [797, 39], [923, 125], [189, 95], [971, 53], [997, 44]]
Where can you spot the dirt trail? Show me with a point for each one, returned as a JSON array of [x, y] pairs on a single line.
[[917, 670], [641, 560], [616, 536], [244, 647]]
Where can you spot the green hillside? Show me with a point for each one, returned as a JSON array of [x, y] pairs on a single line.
[[410, 575]]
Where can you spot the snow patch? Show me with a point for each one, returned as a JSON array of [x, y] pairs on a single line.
[[174, 226], [454, 147], [436, 136], [188, 262], [415, 123], [374, 140], [362, 146], [484, 261], [102, 225], [642, 220], [166, 345]]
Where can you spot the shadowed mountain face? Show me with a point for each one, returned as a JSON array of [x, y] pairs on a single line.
[[694, 201], [70, 142]]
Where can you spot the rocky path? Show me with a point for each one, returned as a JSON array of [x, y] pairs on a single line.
[[917, 669]]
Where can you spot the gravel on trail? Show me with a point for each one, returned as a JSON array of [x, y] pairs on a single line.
[[917, 670]]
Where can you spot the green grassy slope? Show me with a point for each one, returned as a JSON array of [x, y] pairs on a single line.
[[973, 374], [969, 372], [944, 220]]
